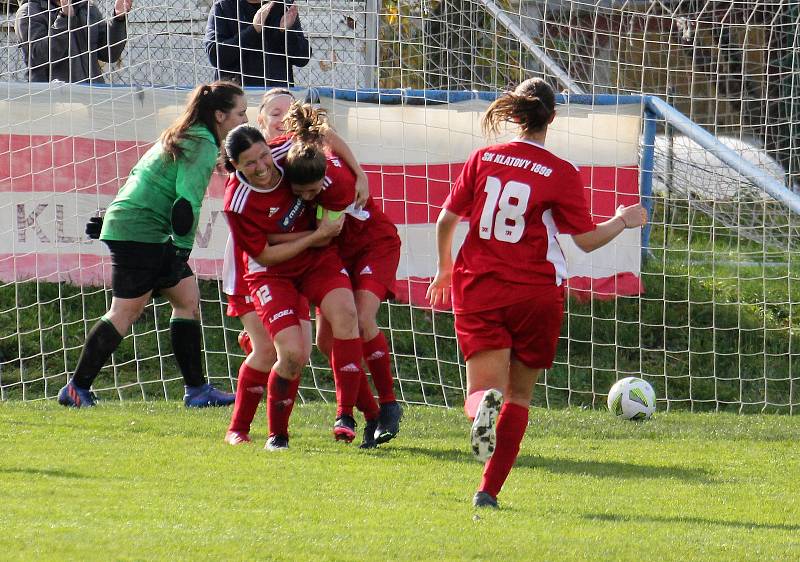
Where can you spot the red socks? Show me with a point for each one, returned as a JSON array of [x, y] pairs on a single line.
[[250, 390], [347, 373], [280, 401], [376, 354], [511, 425], [366, 401]]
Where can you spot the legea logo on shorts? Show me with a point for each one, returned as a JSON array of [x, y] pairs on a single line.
[[281, 314]]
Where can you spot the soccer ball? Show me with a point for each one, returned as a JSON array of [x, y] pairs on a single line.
[[632, 399]]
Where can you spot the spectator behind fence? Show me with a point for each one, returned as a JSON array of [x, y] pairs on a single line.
[[256, 44], [65, 39]]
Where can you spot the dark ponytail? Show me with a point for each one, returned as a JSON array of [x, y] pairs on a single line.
[[531, 106], [238, 140], [203, 102], [306, 161]]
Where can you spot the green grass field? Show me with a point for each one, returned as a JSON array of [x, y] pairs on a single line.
[[135, 481]]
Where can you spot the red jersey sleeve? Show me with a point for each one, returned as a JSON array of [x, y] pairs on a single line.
[[339, 186], [462, 194], [570, 210]]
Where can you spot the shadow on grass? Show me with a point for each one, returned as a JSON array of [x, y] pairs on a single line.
[[690, 521], [57, 473], [598, 469]]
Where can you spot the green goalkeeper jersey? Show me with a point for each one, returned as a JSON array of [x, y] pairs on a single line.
[[142, 210]]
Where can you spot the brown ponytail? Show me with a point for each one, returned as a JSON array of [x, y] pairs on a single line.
[[306, 161], [203, 102], [531, 106]]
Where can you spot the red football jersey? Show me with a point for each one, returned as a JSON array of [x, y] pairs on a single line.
[[362, 226], [518, 196], [236, 259]]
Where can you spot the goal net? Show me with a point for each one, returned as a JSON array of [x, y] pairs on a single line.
[[708, 315]]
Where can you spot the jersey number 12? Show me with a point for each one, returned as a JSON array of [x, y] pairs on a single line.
[[503, 215]]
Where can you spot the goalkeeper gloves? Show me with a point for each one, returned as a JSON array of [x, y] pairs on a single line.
[[93, 227], [182, 217]]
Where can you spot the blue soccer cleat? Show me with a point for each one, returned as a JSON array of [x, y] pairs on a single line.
[[76, 397], [205, 396]]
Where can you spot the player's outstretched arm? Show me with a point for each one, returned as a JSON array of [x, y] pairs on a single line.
[[439, 289], [632, 216]]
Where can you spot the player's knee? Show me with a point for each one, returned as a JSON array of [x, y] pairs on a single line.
[[367, 327], [292, 362], [345, 323]]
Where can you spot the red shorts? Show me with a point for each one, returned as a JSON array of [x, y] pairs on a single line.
[[375, 268], [530, 329], [239, 305], [282, 302]]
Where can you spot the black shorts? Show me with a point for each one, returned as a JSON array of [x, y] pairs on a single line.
[[139, 267]]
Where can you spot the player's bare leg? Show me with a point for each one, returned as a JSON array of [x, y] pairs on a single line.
[[487, 379], [510, 429]]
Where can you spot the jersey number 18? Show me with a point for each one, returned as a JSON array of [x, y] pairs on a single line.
[[504, 210]]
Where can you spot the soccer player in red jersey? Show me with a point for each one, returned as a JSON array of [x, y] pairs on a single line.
[[258, 205], [508, 279], [370, 250], [274, 106]]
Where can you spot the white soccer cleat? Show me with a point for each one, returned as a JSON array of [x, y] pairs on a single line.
[[483, 436]]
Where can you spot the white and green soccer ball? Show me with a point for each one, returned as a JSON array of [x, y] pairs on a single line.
[[632, 398]]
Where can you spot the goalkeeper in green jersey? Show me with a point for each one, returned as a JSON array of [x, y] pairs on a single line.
[[149, 229]]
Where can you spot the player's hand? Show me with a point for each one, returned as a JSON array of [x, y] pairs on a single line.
[[93, 227], [122, 7], [634, 216], [289, 17], [66, 8], [439, 289], [362, 190], [260, 16], [331, 224]]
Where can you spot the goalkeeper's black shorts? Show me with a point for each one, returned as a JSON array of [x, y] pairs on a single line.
[[140, 267]]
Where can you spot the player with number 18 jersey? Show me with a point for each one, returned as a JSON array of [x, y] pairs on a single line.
[[518, 196]]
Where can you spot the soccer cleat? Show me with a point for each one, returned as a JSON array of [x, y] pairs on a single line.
[[484, 499], [344, 429], [277, 443], [388, 422], [369, 435], [483, 435], [237, 438], [76, 397], [245, 343], [205, 396]]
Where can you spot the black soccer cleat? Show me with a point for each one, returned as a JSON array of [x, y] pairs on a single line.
[[484, 499], [388, 422], [344, 429], [277, 443], [369, 435]]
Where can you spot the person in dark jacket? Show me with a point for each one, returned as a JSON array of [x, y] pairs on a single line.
[[65, 39], [255, 43]]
